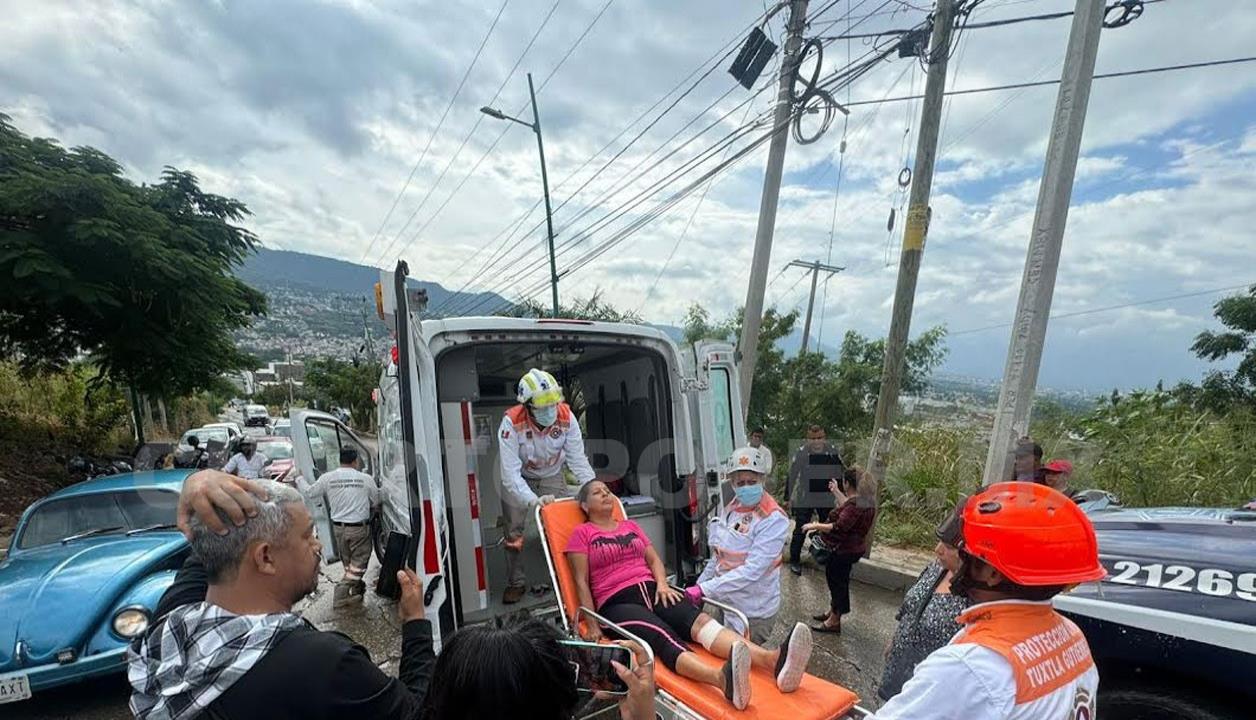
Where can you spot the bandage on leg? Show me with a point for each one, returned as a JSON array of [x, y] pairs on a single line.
[[708, 633]]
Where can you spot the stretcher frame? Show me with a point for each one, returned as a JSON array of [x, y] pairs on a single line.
[[666, 705]]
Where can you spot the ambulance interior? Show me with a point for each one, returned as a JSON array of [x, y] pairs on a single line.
[[620, 395]]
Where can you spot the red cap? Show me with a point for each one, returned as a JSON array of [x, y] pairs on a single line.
[[1032, 534], [1059, 466]]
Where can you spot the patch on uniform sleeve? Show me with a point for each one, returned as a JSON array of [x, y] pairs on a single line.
[[505, 434]]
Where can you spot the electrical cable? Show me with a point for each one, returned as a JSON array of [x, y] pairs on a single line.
[[719, 57], [1109, 308], [1043, 83], [439, 124], [479, 118]]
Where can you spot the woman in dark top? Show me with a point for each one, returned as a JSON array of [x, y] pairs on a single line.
[[846, 535], [926, 619]]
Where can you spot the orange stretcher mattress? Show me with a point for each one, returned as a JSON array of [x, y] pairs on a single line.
[[816, 699]]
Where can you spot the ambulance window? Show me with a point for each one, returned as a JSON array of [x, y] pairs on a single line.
[[722, 410], [324, 445]]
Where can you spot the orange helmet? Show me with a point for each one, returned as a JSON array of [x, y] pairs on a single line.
[[1032, 534]]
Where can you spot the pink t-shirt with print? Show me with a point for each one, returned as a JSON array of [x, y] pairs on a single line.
[[616, 557]]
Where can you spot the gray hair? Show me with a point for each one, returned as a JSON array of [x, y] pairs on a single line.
[[221, 554]]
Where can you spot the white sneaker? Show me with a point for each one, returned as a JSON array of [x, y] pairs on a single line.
[[795, 654], [737, 676]]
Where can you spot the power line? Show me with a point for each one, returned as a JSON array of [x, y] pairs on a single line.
[[439, 124], [849, 75], [1043, 83], [1122, 306], [479, 118], [718, 58]]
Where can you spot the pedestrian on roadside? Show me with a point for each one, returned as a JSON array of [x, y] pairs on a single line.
[[248, 462], [845, 536], [815, 465], [352, 496], [1056, 475], [927, 619], [756, 441], [1027, 465]]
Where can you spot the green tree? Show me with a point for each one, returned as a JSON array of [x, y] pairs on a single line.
[[1219, 389], [592, 308], [345, 384], [139, 278]]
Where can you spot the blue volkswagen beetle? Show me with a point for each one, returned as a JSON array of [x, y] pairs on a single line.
[[84, 572]]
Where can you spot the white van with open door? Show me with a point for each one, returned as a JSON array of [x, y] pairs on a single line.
[[660, 425]]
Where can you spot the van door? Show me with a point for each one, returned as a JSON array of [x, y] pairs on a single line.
[[721, 428], [315, 435], [427, 543]]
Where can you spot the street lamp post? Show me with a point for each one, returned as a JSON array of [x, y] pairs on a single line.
[[549, 213]]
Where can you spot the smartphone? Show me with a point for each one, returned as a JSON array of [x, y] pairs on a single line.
[[591, 664]]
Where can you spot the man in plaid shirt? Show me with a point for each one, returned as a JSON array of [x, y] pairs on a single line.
[[225, 637]]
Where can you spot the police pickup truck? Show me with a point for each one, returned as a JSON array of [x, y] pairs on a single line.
[[1173, 627]]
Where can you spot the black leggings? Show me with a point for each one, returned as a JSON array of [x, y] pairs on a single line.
[[665, 629], [837, 574]]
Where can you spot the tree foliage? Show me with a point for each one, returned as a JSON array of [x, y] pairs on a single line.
[[791, 393], [1220, 389], [592, 308], [139, 278], [346, 384]]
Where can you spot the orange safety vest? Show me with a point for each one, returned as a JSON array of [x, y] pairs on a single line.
[[1046, 650]]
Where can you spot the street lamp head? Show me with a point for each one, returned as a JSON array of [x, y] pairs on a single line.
[[493, 112]]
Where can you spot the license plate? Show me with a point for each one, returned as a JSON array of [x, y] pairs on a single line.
[[14, 688]]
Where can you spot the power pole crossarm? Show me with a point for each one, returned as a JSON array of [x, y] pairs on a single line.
[[1029, 331], [815, 268], [753, 314], [914, 232]]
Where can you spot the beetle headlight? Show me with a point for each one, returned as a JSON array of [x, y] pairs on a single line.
[[130, 622]]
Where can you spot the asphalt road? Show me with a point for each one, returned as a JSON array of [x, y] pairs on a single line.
[[853, 659]]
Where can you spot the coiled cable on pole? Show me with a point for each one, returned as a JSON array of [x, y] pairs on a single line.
[[813, 99]]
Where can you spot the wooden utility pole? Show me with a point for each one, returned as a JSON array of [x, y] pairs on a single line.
[[753, 314], [1029, 330], [914, 232], [815, 268]]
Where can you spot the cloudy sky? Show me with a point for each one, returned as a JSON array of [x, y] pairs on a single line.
[[315, 113]]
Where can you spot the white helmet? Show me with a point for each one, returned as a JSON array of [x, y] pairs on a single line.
[[539, 389], [749, 458]]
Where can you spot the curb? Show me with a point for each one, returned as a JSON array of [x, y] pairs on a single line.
[[883, 575]]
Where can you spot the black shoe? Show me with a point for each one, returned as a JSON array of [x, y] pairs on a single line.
[[795, 568]]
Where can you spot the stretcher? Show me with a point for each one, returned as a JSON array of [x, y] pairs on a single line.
[[679, 697]]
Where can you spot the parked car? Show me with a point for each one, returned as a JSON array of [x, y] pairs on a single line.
[[278, 450], [233, 429], [256, 415], [282, 428], [83, 576], [1173, 626]]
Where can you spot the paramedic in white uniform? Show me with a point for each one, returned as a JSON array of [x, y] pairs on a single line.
[[538, 437], [746, 540], [1015, 657]]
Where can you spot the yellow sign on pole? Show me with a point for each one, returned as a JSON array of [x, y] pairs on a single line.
[[917, 228]]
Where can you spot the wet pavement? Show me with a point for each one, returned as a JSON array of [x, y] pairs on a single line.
[[853, 659]]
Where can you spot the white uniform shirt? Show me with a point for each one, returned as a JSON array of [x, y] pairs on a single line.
[[745, 568], [531, 453], [971, 682], [247, 468], [350, 494]]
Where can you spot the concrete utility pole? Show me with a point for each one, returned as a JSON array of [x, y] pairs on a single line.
[[1029, 330], [753, 317], [815, 268], [914, 232]]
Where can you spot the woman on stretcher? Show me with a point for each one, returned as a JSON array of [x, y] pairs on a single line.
[[618, 572]]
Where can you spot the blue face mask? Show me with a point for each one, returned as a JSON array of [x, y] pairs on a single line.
[[545, 416], [749, 495]]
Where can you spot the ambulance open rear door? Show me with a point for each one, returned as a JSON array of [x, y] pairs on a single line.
[[719, 423]]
